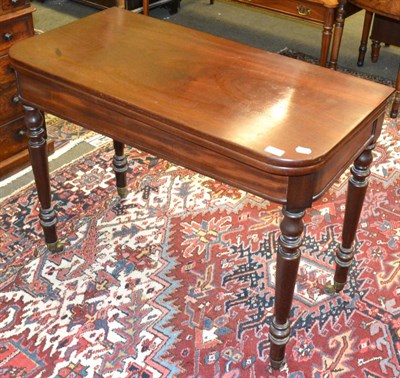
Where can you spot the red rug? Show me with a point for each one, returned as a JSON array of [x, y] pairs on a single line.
[[177, 280]]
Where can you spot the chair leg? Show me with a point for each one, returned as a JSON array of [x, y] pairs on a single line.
[[364, 38], [174, 6], [146, 7], [375, 49], [396, 102]]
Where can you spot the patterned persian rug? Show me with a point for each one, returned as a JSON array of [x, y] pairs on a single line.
[[177, 280]]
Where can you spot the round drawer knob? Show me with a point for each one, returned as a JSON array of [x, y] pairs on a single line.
[[14, 2], [20, 134], [8, 36], [15, 100]]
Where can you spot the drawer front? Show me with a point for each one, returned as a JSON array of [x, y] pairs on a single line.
[[8, 6], [14, 30], [13, 138], [6, 73], [301, 9], [10, 106], [101, 4]]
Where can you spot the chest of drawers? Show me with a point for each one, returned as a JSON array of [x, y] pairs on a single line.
[[15, 25]]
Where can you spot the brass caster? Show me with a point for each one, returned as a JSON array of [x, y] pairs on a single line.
[[333, 289], [122, 192], [55, 247], [277, 365]]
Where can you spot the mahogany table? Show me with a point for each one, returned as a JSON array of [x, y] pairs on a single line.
[[276, 127]]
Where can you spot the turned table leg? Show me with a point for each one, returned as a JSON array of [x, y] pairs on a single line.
[[326, 37], [364, 38], [146, 7], [338, 33], [37, 146], [375, 50], [358, 184], [120, 166], [396, 102], [288, 260]]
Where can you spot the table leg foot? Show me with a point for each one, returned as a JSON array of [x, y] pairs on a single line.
[[56, 247], [279, 335], [333, 289], [277, 365], [48, 220], [120, 166], [123, 192], [288, 259]]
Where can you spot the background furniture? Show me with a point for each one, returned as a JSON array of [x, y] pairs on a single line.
[[103, 4], [15, 24], [145, 5], [323, 12], [134, 5], [386, 29]]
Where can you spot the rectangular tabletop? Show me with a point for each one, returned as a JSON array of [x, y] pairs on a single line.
[[186, 89]]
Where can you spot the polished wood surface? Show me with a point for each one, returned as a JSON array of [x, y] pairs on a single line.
[[214, 89], [389, 8], [271, 125]]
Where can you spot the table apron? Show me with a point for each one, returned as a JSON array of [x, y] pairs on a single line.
[[348, 153], [94, 113]]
